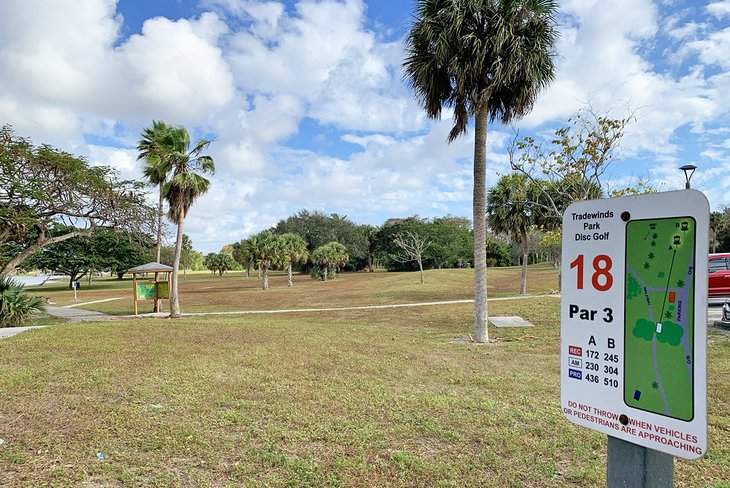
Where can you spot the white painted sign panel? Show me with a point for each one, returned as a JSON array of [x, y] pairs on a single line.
[[634, 319]]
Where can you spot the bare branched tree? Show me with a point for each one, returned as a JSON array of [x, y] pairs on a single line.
[[412, 247], [572, 165]]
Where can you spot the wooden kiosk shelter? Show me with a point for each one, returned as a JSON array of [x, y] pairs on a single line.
[[158, 290]]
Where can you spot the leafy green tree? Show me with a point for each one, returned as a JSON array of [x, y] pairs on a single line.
[[117, 252], [72, 257], [719, 221], [384, 245], [498, 253], [43, 188], [329, 257], [189, 168], [186, 255], [76, 257], [293, 250], [370, 233], [510, 211], [552, 245], [318, 228], [451, 242], [486, 59]]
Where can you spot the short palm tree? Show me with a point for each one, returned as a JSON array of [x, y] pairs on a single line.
[[188, 182], [486, 59], [329, 257], [293, 250], [253, 246], [243, 253], [268, 254], [510, 211], [16, 305]]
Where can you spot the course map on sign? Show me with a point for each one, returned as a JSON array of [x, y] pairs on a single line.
[[659, 316]]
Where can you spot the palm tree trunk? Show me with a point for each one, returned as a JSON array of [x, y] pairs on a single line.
[[266, 277], [288, 275], [480, 225], [174, 297], [159, 225], [525, 252], [156, 306]]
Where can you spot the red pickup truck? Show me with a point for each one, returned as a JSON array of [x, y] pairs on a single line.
[[719, 274]]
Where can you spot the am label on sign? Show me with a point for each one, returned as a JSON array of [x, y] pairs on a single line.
[[634, 319]]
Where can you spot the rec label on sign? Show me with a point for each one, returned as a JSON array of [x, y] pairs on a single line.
[[634, 319]]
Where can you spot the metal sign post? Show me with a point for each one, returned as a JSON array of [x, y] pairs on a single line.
[[633, 329]]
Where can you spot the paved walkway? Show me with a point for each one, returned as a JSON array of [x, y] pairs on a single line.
[[341, 309], [92, 302], [11, 331], [78, 314], [70, 314]]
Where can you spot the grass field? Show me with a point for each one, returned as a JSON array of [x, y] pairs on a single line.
[[207, 292], [357, 398]]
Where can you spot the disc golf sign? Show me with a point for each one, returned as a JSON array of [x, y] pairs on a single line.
[[634, 319]]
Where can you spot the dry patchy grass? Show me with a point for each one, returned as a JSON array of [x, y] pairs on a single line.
[[361, 398], [233, 291]]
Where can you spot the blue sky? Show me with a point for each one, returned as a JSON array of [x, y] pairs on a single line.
[[307, 106]]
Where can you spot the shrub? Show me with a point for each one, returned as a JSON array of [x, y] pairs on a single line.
[[317, 273], [17, 306]]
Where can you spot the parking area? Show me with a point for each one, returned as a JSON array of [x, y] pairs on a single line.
[[714, 314]]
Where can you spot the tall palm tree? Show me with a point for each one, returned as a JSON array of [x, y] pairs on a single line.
[[486, 59], [293, 250], [156, 168], [510, 211], [186, 184]]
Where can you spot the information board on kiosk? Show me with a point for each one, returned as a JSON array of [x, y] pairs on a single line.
[[634, 319]]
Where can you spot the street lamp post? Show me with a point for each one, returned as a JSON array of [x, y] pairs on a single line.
[[689, 170]]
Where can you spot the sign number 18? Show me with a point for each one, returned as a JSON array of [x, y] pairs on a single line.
[[601, 279]]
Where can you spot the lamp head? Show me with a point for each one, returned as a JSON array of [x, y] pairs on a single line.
[[689, 170]]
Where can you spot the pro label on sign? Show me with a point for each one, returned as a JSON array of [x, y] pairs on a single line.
[[633, 319]]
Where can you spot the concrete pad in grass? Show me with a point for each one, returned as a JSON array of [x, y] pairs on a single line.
[[513, 321]]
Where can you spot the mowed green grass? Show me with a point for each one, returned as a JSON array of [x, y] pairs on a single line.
[[357, 398], [205, 292]]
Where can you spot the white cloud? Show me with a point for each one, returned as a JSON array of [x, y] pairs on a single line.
[[322, 54], [719, 9], [249, 72], [714, 49], [64, 56]]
